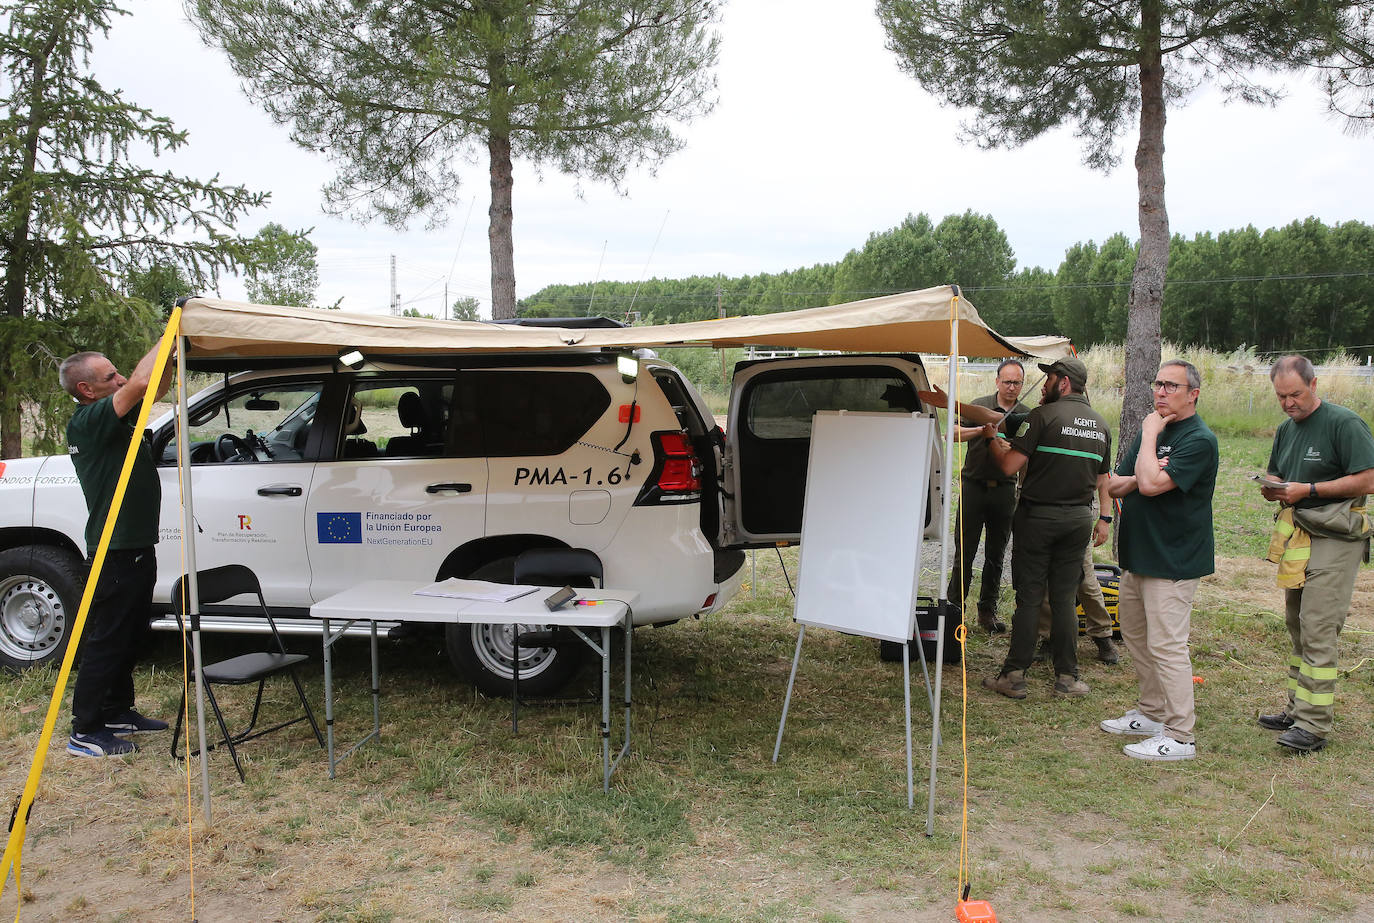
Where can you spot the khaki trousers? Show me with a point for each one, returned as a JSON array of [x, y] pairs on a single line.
[[1097, 619], [1315, 614], [1156, 617]]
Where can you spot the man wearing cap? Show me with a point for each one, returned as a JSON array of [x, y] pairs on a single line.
[[1165, 481], [987, 498], [1065, 447], [1320, 470]]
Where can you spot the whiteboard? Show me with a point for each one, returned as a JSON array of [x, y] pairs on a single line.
[[864, 513]]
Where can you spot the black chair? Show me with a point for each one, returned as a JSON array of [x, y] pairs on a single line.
[[216, 585], [554, 567]]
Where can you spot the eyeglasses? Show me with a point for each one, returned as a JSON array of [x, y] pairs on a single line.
[[1168, 387], [1011, 381]]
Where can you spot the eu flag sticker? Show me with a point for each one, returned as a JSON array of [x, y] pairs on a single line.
[[339, 528]]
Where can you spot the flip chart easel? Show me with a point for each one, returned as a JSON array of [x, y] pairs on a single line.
[[862, 524]]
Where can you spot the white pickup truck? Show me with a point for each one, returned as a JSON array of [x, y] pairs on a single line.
[[431, 466]]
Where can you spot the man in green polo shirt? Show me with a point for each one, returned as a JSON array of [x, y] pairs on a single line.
[[1165, 482], [1065, 447], [98, 438], [1322, 468]]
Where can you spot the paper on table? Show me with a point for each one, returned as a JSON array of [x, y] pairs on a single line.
[[458, 588]]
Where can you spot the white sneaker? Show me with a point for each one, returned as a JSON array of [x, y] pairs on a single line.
[[1134, 723], [1160, 748]]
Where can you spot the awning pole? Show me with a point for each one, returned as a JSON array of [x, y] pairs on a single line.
[[946, 483], [188, 543]]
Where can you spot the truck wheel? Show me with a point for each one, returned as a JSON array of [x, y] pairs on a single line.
[[486, 653], [40, 590]]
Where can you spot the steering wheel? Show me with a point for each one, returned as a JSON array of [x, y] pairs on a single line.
[[231, 448]]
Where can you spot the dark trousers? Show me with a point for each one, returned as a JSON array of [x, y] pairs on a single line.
[[110, 642], [988, 511], [1047, 557]]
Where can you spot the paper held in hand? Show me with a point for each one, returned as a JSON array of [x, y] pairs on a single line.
[[1268, 480], [483, 590]]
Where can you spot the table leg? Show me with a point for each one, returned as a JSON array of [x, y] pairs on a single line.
[[606, 709], [629, 643], [329, 695], [376, 687]]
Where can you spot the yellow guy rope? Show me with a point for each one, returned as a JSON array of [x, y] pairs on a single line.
[[20, 821], [961, 632]]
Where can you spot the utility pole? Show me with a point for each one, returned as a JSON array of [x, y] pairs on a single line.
[[395, 297]]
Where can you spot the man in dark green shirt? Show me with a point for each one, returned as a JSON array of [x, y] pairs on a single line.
[[1321, 465], [98, 438], [986, 503], [1065, 447], [1165, 482]]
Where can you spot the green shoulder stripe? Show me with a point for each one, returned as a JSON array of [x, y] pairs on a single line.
[[1074, 452]]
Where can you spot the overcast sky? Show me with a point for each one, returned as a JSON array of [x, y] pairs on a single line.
[[817, 141]]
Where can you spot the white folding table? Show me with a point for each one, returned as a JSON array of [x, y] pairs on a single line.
[[396, 601]]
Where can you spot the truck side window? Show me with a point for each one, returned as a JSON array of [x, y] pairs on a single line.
[[525, 413], [396, 418], [267, 424]]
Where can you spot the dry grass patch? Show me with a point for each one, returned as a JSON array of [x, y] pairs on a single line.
[[451, 817]]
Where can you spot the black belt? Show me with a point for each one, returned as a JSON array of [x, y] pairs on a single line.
[[990, 482]]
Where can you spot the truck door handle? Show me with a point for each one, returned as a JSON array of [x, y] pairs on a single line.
[[456, 488], [280, 490]]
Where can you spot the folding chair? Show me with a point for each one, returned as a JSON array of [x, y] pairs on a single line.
[[216, 585], [549, 567]]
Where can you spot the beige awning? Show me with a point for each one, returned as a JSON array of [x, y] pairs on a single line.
[[909, 322]]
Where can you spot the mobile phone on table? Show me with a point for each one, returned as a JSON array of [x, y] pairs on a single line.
[[560, 598]]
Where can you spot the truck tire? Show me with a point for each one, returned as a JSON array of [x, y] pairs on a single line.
[[40, 591], [485, 653]]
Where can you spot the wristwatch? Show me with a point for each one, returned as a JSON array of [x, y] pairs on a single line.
[[1106, 519], [1313, 492]]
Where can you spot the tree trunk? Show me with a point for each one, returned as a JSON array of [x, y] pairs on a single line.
[[499, 228], [11, 432], [1147, 282]]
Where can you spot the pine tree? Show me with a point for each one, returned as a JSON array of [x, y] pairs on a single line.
[[1102, 67], [79, 215], [402, 97]]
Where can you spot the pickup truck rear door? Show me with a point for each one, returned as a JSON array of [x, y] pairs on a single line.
[[768, 436]]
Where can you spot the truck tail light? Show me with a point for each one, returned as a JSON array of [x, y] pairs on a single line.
[[680, 471], [676, 476]]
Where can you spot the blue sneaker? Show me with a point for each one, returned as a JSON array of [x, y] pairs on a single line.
[[131, 722], [100, 743]]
